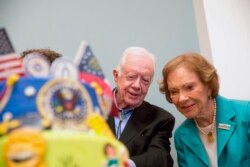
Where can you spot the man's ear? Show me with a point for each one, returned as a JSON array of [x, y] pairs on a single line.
[[115, 75]]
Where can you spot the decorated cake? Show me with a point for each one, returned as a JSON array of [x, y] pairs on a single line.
[[54, 116]]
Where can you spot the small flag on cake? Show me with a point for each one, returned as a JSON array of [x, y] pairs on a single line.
[[10, 64], [5, 44], [91, 72], [89, 69], [87, 62]]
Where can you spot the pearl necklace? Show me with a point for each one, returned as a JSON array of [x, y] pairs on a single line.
[[210, 132]]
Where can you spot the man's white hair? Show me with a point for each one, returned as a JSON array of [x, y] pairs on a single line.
[[135, 51]]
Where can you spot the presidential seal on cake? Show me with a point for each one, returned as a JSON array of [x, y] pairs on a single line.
[[54, 116]]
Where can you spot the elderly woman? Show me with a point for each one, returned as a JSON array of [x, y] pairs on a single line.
[[216, 132]]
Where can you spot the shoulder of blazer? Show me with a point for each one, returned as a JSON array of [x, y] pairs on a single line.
[[233, 105], [153, 111]]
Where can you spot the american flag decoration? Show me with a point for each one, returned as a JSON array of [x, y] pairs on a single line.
[[87, 62], [10, 64], [5, 44]]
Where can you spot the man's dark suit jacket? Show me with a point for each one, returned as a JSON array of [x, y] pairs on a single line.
[[146, 136]]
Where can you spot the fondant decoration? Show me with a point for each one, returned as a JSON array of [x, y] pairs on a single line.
[[36, 65], [25, 148], [62, 68], [65, 103]]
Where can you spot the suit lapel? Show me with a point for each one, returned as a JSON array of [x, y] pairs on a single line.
[[225, 125], [130, 130], [111, 124], [192, 140], [137, 121]]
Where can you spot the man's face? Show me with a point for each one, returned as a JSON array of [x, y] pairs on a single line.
[[132, 82]]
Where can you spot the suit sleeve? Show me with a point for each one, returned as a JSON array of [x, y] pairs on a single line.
[[157, 153]]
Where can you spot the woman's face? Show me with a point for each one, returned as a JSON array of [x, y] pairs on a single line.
[[188, 93]]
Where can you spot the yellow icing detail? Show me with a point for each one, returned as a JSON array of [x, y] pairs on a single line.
[[99, 125], [97, 87], [12, 80]]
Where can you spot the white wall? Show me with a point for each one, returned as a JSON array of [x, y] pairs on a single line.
[[224, 35]]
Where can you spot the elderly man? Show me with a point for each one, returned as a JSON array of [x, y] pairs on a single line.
[[144, 128]]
